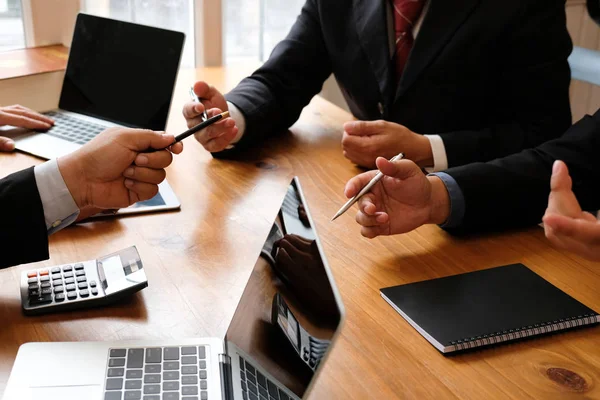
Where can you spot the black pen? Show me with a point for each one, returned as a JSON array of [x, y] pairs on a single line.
[[197, 128]]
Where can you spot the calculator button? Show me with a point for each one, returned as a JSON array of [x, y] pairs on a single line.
[[57, 282], [34, 293], [46, 291], [71, 295], [80, 273], [32, 274], [93, 283], [32, 280], [69, 281], [41, 299], [67, 268], [45, 285], [45, 278], [33, 286], [82, 285], [56, 276], [68, 274], [70, 287], [94, 291], [78, 267], [59, 289], [59, 297], [84, 293], [81, 279], [56, 270], [44, 272]]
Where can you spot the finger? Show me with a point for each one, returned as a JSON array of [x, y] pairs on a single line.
[[205, 91], [156, 160], [27, 113], [140, 191], [352, 143], [220, 143], [177, 148], [193, 110], [365, 128], [22, 121], [580, 230], [146, 175], [367, 205], [144, 139], [371, 220], [6, 144], [560, 180], [589, 216], [372, 231], [402, 169], [569, 244], [355, 184]]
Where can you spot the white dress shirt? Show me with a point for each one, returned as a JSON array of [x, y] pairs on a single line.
[[440, 159], [60, 209]]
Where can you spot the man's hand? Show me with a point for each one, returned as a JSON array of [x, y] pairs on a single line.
[[364, 141], [111, 171], [402, 201], [566, 225], [21, 117], [219, 135]]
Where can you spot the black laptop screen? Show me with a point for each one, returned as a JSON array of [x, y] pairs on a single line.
[[288, 314], [121, 72]]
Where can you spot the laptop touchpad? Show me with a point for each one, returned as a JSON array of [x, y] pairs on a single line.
[[65, 392]]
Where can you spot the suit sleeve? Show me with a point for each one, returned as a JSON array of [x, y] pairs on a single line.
[[273, 97], [512, 192], [536, 80], [23, 235]]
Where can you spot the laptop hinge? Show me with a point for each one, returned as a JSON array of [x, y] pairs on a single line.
[[226, 378]]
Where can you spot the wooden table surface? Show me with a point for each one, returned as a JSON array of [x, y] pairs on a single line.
[[199, 259]]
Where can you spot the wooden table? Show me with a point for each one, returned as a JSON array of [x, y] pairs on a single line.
[[199, 259]]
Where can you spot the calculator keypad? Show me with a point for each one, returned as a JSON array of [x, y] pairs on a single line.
[[59, 284]]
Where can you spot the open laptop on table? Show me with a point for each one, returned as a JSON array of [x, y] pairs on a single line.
[[278, 340], [118, 74]]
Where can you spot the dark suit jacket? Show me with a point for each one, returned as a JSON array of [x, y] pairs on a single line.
[[491, 77], [23, 235], [513, 191]]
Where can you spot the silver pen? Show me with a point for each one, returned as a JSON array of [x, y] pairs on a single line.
[[364, 190], [195, 98]]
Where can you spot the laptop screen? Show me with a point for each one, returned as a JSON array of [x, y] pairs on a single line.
[[121, 72], [288, 314]]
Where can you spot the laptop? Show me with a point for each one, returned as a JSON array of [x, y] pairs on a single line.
[[282, 331], [118, 74]]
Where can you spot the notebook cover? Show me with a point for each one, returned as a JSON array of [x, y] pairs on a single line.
[[481, 303]]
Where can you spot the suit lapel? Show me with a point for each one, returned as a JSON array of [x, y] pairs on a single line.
[[371, 22], [442, 20]]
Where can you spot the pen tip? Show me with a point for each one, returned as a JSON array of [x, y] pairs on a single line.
[[225, 114], [334, 217]]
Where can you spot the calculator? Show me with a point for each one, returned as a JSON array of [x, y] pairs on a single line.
[[83, 284]]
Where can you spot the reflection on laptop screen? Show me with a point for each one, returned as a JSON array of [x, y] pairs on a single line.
[[288, 313], [121, 72]]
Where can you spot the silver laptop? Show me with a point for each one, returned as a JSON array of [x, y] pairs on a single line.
[[118, 74], [277, 342]]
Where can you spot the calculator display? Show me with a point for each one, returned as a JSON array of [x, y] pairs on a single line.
[[120, 270]]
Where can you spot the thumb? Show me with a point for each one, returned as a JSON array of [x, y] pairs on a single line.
[[6, 144], [402, 169], [143, 139], [560, 181]]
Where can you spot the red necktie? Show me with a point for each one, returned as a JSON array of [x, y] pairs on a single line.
[[406, 14]]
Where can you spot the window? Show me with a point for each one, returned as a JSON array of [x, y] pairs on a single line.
[[176, 15], [254, 27], [12, 34]]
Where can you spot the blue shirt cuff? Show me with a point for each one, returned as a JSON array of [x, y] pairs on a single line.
[[457, 201]]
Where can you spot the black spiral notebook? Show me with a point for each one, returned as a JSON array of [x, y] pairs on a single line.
[[486, 307]]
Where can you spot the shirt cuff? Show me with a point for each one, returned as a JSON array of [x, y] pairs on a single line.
[[60, 209], [240, 121], [440, 160], [457, 201]]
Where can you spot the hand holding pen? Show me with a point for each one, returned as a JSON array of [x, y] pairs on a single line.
[[403, 199], [208, 102]]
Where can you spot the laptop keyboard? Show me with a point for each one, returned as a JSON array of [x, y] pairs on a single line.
[[73, 129], [157, 373], [255, 386]]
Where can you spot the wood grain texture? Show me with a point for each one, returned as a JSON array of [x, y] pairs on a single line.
[[32, 61], [199, 259]]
